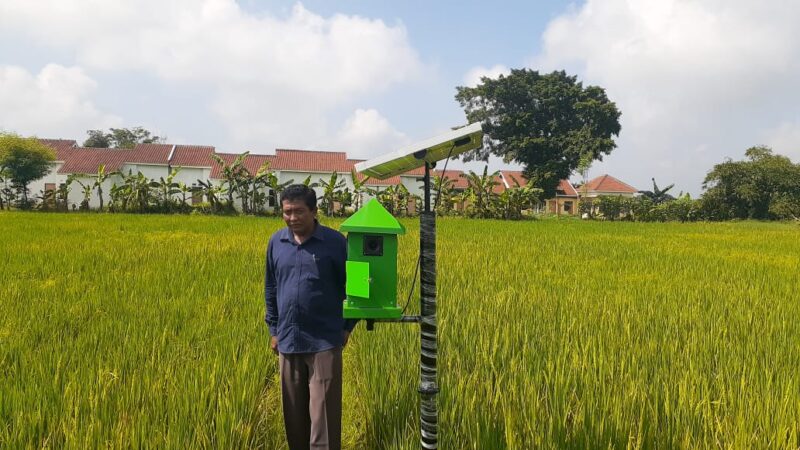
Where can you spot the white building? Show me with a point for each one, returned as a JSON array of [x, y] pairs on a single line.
[[194, 163]]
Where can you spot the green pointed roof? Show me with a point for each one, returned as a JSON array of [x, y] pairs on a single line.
[[373, 218]]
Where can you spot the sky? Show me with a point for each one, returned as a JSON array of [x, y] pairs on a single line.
[[697, 81]]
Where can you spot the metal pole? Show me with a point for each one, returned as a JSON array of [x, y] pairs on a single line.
[[428, 388]]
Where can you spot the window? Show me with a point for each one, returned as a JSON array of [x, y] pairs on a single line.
[[568, 207]]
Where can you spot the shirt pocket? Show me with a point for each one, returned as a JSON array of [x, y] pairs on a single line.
[[319, 268]]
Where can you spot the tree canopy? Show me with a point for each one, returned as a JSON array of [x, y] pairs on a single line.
[[547, 122], [23, 160], [120, 138], [764, 186]]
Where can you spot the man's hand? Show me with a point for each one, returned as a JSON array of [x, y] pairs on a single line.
[[345, 337], [274, 344]]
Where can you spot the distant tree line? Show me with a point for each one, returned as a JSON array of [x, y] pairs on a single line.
[[763, 186]]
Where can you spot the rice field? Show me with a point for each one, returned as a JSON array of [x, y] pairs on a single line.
[[134, 331]]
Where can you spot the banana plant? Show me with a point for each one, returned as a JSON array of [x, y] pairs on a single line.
[[260, 183], [232, 174], [139, 191], [359, 188], [87, 189], [118, 197], [444, 194], [183, 189], [331, 192], [166, 189], [481, 188], [211, 192], [658, 196], [275, 188], [99, 179], [46, 200]]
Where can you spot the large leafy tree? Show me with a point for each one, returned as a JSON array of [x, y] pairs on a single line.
[[24, 160], [550, 123], [763, 186], [120, 138]]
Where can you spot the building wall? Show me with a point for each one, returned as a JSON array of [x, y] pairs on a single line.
[[190, 175], [562, 205], [36, 188], [414, 185]]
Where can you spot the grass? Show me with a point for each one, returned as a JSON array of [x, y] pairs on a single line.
[[147, 331]]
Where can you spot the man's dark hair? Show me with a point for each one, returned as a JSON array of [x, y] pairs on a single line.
[[295, 192]]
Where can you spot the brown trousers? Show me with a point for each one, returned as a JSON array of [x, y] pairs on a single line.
[[311, 388]]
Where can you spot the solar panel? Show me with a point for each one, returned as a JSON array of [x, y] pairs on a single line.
[[430, 150]]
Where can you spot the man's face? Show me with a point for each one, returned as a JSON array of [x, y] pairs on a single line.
[[298, 217]]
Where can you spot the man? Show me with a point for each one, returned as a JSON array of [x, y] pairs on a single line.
[[304, 292]]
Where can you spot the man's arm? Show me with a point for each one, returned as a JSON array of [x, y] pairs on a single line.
[[341, 272], [271, 295]]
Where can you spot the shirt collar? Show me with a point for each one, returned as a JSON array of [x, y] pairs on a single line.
[[318, 233]]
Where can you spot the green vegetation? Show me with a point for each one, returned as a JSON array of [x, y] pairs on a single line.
[[121, 138], [147, 331], [22, 160], [549, 123]]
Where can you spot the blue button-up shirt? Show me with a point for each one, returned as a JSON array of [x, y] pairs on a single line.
[[304, 290]]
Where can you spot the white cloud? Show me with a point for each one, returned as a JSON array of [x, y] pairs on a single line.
[[53, 103], [785, 139], [366, 134], [272, 79], [474, 75], [709, 74]]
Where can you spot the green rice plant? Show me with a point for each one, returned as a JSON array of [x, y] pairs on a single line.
[[131, 331]]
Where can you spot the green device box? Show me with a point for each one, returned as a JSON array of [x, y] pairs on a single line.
[[371, 285]]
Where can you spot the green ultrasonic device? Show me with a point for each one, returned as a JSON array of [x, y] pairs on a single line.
[[371, 266]]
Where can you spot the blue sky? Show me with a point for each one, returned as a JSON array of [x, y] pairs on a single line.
[[696, 81]]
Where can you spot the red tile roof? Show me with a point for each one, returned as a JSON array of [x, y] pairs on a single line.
[[607, 183], [88, 160], [459, 180], [216, 169], [192, 156], [514, 175], [391, 181], [311, 161], [319, 161], [150, 154], [419, 171], [254, 162], [566, 189], [62, 147], [251, 162], [498, 187]]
